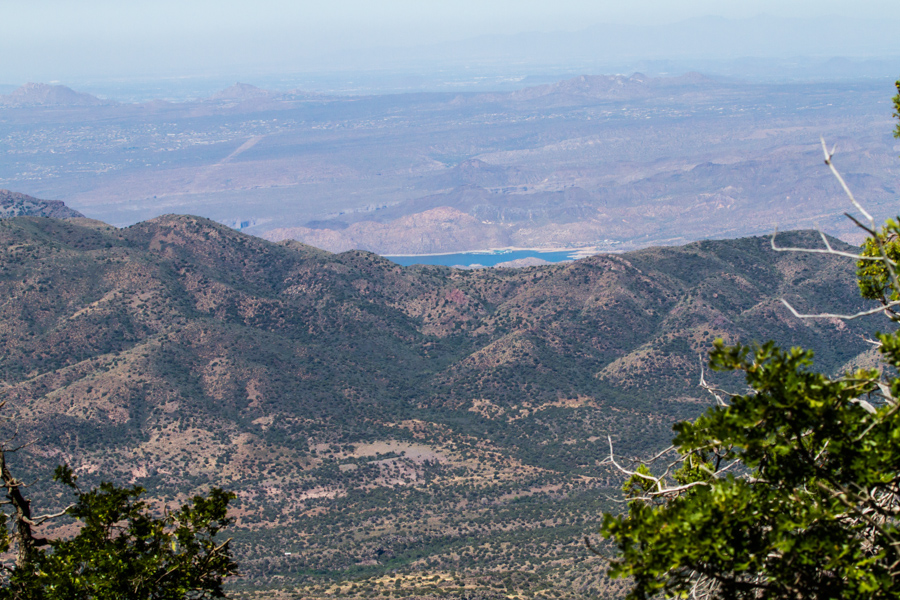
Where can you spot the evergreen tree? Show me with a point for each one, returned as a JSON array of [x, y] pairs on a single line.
[[789, 491], [122, 551]]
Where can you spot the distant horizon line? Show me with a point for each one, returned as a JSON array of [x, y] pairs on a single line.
[[600, 46]]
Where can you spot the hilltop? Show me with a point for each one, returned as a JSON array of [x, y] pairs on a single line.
[[424, 429], [42, 94], [14, 204], [603, 88], [241, 92]]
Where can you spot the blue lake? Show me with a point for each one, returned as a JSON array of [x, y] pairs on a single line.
[[486, 259]]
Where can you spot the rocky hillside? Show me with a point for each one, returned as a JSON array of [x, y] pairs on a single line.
[[416, 431], [14, 204]]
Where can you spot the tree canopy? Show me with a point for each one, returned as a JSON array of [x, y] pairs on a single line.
[[123, 549], [791, 490]]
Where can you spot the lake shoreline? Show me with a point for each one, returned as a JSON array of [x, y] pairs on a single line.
[[493, 257], [592, 249]]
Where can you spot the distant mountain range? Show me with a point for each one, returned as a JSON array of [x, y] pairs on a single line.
[[602, 87], [42, 94], [246, 96], [424, 429], [605, 161], [613, 87], [655, 43], [712, 43]]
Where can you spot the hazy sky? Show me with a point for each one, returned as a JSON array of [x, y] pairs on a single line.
[[41, 39]]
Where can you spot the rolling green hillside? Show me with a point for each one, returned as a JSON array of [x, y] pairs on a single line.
[[398, 430]]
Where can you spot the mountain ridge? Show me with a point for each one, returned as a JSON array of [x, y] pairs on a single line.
[[15, 204], [376, 421]]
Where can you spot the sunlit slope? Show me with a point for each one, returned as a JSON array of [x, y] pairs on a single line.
[[374, 418]]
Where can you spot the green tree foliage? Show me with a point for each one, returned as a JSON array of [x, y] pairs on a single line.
[[897, 108], [122, 549], [877, 278], [791, 490]]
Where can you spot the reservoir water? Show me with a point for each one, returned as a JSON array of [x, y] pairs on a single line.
[[488, 258]]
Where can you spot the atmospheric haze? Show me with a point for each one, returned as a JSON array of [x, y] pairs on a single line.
[[527, 137], [74, 42]]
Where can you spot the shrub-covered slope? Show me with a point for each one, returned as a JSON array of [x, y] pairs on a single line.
[[395, 424]]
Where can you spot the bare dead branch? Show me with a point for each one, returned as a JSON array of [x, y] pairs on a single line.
[[841, 495], [865, 313], [612, 460], [40, 519], [615, 500], [872, 229], [830, 163], [587, 543], [659, 455], [895, 406], [678, 489], [19, 447], [827, 250], [886, 392], [866, 406], [14, 435], [858, 224], [713, 390]]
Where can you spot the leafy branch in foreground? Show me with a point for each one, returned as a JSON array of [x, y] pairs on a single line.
[[121, 550], [789, 491]]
